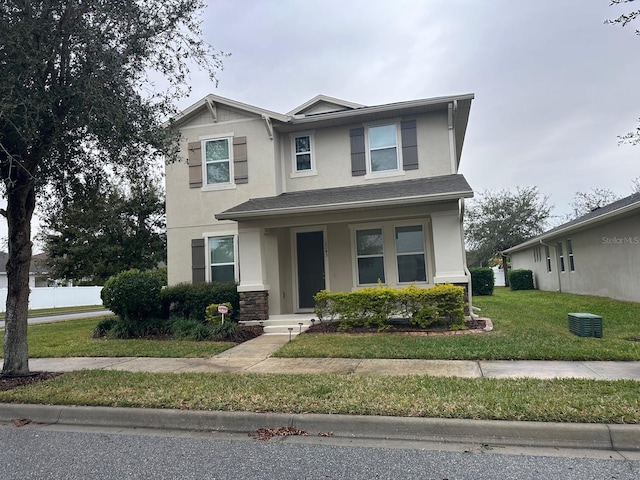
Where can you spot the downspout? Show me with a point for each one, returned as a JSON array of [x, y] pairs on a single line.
[[464, 261], [555, 254], [453, 107]]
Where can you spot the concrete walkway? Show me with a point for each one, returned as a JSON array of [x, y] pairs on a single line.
[[254, 356]]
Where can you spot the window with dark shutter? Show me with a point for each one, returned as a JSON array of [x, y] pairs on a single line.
[[195, 164], [409, 145], [197, 260], [358, 155], [240, 166]]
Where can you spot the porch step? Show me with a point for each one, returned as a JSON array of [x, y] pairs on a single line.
[[280, 324]]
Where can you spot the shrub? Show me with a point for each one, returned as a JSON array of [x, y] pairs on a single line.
[[521, 279], [189, 329], [133, 295], [373, 307], [104, 326], [482, 281], [211, 313], [191, 300], [116, 327]]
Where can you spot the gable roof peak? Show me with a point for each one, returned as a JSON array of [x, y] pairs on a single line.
[[323, 104]]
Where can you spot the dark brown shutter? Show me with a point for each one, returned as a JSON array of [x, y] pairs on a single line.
[[358, 157], [197, 260], [240, 166], [409, 145], [195, 165]]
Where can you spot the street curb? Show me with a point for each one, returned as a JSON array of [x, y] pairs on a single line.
[[491, 432]]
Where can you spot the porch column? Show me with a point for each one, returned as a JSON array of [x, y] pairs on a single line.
[[253, 288], [449, 253]]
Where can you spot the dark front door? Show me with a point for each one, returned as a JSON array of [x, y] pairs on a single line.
[[310, 252]]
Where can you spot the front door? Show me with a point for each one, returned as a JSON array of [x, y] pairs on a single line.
[[310, 265]]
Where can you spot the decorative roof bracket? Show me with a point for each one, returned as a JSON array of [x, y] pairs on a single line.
[[212, 109], [268, 125]]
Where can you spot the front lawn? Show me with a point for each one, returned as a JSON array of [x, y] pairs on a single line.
[[564, 400], [72, 338], [528, 325]]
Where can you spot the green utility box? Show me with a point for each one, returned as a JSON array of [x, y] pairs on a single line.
[[585, 324]]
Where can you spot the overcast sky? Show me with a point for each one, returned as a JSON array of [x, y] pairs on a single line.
[[553, 85]]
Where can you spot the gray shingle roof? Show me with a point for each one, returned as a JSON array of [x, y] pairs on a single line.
[[588, 217], [433, 189]]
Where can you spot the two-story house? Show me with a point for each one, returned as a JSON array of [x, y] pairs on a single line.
[[332, 195]]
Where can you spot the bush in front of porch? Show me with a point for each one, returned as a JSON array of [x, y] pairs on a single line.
[[374, 307]]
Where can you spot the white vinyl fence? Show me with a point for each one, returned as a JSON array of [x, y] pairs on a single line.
[[54, 297]]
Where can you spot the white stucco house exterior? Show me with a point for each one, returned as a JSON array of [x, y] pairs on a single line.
[[331, 195], [595, 254]]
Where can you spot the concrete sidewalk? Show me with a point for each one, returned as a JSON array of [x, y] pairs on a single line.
[[254, 356]]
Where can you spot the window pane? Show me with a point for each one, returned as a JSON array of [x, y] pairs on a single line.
[[383, 136], [303, 144], [369, 242], [385, 159], [370, 270], [218, 172], [569, 247], [411, 268], [217, 150], [409, 239], [303, 161], [222, 273], [221, 250]]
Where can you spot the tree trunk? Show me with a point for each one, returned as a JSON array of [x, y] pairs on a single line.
[[505, 269], [20, 206]]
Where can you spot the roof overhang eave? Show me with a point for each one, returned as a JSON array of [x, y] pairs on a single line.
[[311, 209], [570, 228]]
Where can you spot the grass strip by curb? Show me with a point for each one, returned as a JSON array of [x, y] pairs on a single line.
[[562, 400]]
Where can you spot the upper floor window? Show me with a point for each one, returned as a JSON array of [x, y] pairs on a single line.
[[383, 148], [303, 161], [218, 161]]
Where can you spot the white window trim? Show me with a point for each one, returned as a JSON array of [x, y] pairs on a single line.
[[398, 171], [356, 277], [236, 266], [423, 252], [230, 185], [389, 250], [303, 173]]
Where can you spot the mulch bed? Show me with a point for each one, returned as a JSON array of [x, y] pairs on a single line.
[[475, 325], [7, 382]]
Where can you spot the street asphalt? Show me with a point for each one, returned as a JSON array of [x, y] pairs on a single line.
[[254, 356]]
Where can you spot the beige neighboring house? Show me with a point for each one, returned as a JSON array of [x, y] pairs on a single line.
[[596, 254], [332, 195]]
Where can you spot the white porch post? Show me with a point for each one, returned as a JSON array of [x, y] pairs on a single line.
[[448, 246], [253, 288]]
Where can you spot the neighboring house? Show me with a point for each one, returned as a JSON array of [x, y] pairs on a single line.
[[37, 270], [333, 195], [596, 254]]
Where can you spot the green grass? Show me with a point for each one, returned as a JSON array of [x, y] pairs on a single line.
[[415, 396], [72, 338], [45, 312], [527, 325]]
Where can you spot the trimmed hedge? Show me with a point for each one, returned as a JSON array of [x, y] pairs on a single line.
[[521, 279], [482, 281], [191, 300], [373, 307]]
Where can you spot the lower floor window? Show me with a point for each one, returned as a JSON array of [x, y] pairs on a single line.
[[370, 253], [410, 254], [222, 258]]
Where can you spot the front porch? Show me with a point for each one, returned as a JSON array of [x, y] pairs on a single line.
[[285, 324]]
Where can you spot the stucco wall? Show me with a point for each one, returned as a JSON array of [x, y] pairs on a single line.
[[332, 149], [606, 259]]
